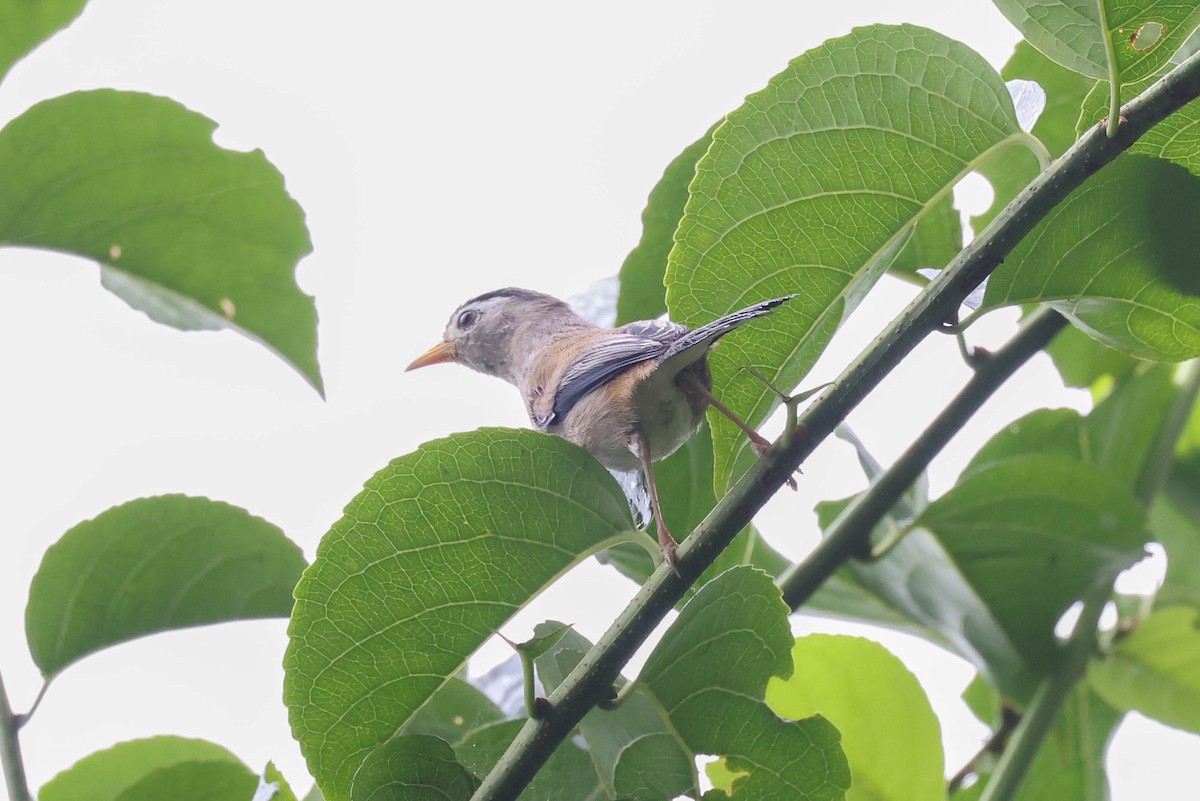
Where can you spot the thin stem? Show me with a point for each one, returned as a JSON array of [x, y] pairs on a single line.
[[23, 719], [1114, 77], [1047, 701], [849, 535], [1009, 718], [10, 751], [591, 680]]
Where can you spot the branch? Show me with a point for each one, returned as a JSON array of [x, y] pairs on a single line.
[[592, 679], [849, 535], [10, 751], [1047, 700]]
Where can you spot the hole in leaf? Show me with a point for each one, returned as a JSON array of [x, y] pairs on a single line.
[[1146, 36]]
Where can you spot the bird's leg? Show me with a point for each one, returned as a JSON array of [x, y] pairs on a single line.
[[666, 542], [757, 441]]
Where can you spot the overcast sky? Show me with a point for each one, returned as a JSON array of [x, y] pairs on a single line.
[[439, 150]]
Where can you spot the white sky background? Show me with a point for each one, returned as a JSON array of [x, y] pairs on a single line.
[[439, 150]]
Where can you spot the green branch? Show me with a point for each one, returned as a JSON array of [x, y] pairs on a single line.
[[591, 681], [1047, 700], [849, 535], [10, 751]]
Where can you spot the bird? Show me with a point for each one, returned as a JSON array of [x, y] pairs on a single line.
[[629, 395]]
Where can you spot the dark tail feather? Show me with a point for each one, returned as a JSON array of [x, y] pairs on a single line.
[[711, 332]]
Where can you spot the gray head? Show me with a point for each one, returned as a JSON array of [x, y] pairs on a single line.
[[491, 333]]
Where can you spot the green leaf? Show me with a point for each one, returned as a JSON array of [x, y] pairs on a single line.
[[1042, 431], [1070, 762], [1065, 91], [918, 581], [1082, 361], [151, 565], [1176, 138], [194, 235], [1122, 429], [27, 23], [283, 790], [194, 781], [105, 775], [455, 709], [983, 700], [1116, 437], [413, 768], [642, 294], [632, 747], [1179, 534], [769, 204], [1131, 38], [1031, 535], [1098, 258], [442, 546], [1156, 669], [935, 241], [870, 696], [710, 673], [567, 776]]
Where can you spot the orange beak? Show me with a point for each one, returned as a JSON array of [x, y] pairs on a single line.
[[438, 354]]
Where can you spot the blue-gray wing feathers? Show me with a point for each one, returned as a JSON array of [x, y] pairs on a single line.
[[641, 341]]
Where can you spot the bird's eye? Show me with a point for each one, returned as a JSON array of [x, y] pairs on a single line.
[[467, 319]]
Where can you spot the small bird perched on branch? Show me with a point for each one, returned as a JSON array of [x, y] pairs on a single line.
[[629, 395]]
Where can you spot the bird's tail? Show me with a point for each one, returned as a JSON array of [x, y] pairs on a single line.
[[704, 336]]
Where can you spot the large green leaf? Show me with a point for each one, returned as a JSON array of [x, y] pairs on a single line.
[[918, 581], [633, 747], [1179, 534], [871, 697], [710, 673], [935, 241], [642, 294], [152, 565], [194, 781], [1031, 535], [1099, 256], [27, 23], [440, 548], [105, 775], [194, 235], [1082, 361], [566, 776], [1156, 669], [1099, 38], [1069, 765], [1065, 90], [416, 767], [811, 187], [453, 711], [1116, 437]]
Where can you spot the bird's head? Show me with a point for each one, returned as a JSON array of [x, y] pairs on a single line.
[[494, 332]]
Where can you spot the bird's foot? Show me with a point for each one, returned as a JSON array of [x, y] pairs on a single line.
[[760, 444], [667, 544]]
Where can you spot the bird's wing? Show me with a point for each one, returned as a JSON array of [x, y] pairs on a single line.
[[599, 364], [663, 331], [690, 346]]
